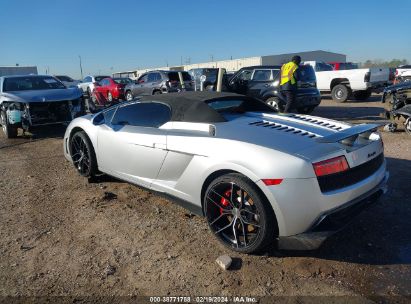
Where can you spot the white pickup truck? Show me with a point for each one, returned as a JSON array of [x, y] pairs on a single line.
[[403, 72], [343, 84]]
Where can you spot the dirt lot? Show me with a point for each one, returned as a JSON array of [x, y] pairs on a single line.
[[60, 235]]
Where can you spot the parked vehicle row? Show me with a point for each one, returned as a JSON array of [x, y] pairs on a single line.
[[205, 149]]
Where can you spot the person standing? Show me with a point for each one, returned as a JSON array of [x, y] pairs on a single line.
[[288, 83]]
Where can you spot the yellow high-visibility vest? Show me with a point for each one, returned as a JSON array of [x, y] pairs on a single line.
[[287, 73]]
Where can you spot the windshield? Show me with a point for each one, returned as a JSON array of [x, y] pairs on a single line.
[[122, 80], [306, 73], [31, 83]]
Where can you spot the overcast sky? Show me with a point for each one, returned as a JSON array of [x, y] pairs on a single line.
[[125, 34]]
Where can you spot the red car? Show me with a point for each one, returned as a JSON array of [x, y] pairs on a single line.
[[109, 90]]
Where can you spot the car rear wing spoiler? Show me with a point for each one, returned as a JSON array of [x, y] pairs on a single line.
[[350, 135]]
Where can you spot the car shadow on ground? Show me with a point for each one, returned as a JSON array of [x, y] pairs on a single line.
[[380, 235], [373, 98], [38, 134], [372, 114]]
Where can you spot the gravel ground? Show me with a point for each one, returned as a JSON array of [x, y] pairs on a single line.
[[63, 236]]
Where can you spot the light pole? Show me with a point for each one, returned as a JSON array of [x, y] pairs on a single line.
[[81, 68]]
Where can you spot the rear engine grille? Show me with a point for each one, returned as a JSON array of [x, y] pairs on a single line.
[[317, 122], [280, 127], [351, 176], [49, 112]]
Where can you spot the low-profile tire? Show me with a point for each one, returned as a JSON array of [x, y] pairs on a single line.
[[238, 214], [275, 103], [306, 110], [407, 126], [9, 130], [83, 155], [340, 93], [362, 95], [109, 97], [129, 96]]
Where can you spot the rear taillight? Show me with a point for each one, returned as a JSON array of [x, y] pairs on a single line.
[[396, 72], [331, 166], [367, 77]]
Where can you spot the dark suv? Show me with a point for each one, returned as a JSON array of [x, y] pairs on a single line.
[[263, 82], [158, 82]]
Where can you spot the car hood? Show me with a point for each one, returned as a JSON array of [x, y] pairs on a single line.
[[290, 133], [43, 95]]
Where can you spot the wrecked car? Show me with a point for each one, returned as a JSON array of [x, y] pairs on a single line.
[[35, 100]]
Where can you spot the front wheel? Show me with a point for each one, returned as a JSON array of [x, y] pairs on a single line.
[[9, 130], [275, 103], [238, 214], [82, 154], [340, 93], [129, 96]]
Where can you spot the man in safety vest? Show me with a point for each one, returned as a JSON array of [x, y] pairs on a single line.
[[288, 82]]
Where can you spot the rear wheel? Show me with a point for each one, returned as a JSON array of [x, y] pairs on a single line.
[[275, 103], [340, 93], [129, 96], [82, 154], [9, 130], [238, 215]]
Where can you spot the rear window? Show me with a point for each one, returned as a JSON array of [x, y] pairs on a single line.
[[31, 83], [173, 76], [122, 80], [306, 73], [100, 78], [348, 66]]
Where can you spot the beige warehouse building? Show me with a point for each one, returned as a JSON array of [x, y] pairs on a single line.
[[236, 64]]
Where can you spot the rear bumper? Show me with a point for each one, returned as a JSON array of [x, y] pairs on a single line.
[[332, 221], [308, 100]]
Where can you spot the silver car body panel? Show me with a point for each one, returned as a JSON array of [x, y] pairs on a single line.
[[178, 157]]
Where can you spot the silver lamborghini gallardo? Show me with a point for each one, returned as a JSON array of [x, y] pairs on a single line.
[[258, 177]]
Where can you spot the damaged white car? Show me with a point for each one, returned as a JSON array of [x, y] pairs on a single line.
[[35, 100]]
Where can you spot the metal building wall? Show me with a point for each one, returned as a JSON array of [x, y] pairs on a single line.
[[305, 56]]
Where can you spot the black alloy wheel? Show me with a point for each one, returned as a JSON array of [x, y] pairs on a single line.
[[238, 215], [82, 154]]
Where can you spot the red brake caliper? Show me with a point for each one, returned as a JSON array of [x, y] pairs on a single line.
[[225, 202]]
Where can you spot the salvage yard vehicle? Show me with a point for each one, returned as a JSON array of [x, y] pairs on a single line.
[[398, 98], [158, 82], [111, 88], [89, 82], [263, 82], [254, 174], [344, 84], [34, 100]]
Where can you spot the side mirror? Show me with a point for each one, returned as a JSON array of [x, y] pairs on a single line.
[[99, 119]]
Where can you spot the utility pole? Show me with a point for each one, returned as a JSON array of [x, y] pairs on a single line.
[[81, 68]]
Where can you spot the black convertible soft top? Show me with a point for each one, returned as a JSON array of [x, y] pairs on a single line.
[[193, 106]]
